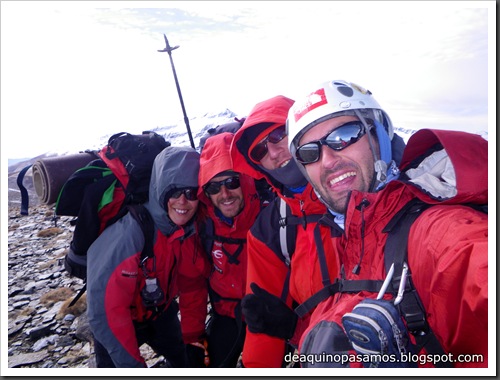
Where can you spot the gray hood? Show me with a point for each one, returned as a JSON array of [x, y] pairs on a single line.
[[174, 168]]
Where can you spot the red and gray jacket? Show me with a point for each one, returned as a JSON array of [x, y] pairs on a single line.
[[228, 249], [266, 264], [115, 277], [447, 247]]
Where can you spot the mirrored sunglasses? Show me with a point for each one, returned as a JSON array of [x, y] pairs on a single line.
[[260, 150], [189, 193], [338, 139], [213, 188]]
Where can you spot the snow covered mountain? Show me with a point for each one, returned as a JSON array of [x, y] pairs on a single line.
[[175, 133]]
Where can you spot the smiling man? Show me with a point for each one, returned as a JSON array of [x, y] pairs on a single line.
[[341, 139], [232, 205]]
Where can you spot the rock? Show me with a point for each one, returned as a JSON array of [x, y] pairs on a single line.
[[82, 328], [41, 333], [26, 359], [65, 341]]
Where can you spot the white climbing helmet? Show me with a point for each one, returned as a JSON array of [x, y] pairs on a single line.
[[333, 99]]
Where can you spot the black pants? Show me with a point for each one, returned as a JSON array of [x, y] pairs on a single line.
[[163, 335], [225, 341]]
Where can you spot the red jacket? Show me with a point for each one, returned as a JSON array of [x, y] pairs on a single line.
[[265, 260], [447, 246], [227, 280], [115, 277]]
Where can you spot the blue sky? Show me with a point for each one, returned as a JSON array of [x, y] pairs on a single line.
[[74, 71]]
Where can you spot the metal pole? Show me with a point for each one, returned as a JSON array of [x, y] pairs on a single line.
[[169, 50]]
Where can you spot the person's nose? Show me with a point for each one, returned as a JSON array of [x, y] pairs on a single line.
[[329, 158], [276, 150], [182, 199], [225, 191]]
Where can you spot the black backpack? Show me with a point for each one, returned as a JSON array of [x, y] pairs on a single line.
[[231, 127], [99, 193]]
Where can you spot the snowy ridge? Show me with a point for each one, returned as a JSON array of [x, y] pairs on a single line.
[[177, 135]]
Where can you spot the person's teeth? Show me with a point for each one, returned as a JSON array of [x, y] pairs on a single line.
[[342, 177], [285, 163], [180, 211]]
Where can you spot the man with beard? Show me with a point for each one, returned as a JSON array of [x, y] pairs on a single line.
[[232, 204]]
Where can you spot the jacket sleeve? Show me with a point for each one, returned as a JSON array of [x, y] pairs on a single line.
[[111, 288], [193, 291], [448, 258], [269, 272]]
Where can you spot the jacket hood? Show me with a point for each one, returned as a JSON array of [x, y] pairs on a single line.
[[264, 117], [449, 166], [173, 168], [215, 157]]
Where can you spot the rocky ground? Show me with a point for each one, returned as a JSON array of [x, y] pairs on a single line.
[[43, 331]]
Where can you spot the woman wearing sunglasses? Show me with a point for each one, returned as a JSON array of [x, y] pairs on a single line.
[[341, 139], [232, 204], [130, 301]]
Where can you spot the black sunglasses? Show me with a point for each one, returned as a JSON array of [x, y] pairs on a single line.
[[338, 139], [213, 188], [260, 150], [189, 193]]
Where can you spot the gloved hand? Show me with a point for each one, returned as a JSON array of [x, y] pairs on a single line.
[[197, 354], [265, 313]]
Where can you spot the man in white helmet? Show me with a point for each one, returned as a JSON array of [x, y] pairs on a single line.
[[341, 139]]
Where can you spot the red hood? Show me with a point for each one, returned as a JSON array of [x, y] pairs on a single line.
[[469, 157], [215, 157], [263, 118]]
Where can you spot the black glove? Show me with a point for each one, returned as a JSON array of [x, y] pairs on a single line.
[[197, 355], [265, 313]]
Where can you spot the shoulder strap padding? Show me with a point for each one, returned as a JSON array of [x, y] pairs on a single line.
[[396, 251], [207, 233], [145, 221]]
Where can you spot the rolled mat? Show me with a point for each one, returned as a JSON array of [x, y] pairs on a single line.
[[50, 173]]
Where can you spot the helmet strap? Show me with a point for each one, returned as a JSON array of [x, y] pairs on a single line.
[[384, 142], [380, 166]]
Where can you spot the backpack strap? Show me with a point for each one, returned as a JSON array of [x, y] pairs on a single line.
[[145, 221], [288, 236], [285, 232], [25, 200], [288, 228], [339, 285], [396, 251], [207, 232]]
